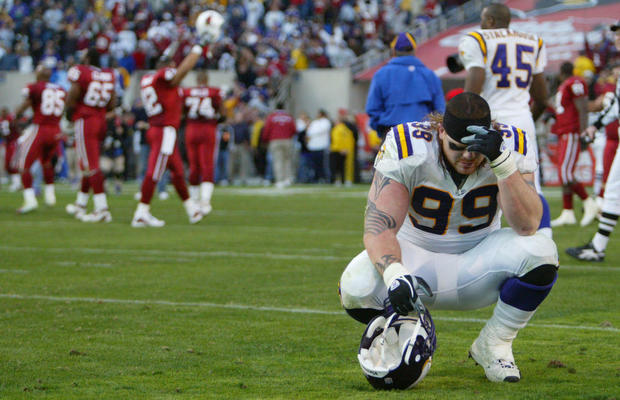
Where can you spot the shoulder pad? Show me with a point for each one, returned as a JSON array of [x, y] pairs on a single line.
[[514, 138], [477, 36]]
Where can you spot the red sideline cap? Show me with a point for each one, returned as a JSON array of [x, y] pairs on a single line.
[[453, 93]]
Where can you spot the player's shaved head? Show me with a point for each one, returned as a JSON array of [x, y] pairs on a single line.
[[42, 73], [566, 69], [495, 15], [463, 110], [92, 57]]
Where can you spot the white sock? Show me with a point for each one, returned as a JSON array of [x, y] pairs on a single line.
[[49, 190], [101, 201], [502, 328], [143, 208], [600, 242], [82, 199], [29, 196], [194, 192], [190, 206], [206, 191], [16, 179], [511, 318], [606, 226]]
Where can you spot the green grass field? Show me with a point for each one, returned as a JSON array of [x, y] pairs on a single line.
[[244, 305]]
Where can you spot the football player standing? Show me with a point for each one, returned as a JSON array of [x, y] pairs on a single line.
[[432, 222], [595, 249], [162, 99], [40, 140], [202, 107], [506, 68], [9, 132], [571, 115], [90, 97]]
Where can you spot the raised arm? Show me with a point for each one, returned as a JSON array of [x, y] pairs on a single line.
[[518, 199], [186, 65], [520, 203], [190, 60]]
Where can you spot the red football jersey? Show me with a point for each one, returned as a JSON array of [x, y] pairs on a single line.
[[97, 88], [47, 101], [566, 114], [279, 125], [7, 128], [201, 104], [162, 101]]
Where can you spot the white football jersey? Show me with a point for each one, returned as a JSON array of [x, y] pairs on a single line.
[[443, 218], [509, 59]]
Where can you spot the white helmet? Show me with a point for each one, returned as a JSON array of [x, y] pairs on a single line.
[[396, 352], [209, 23]]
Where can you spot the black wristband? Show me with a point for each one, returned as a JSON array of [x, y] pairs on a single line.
[[598, 124]]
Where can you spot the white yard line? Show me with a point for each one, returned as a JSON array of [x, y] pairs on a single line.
[[13, 271], [182, 253], [260, 308], [82, 264], [610, 268], [86, 250], [327, 231]]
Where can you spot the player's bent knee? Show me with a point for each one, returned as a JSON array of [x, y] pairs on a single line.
[[523, 295], [359, 283], [541, 275], [538, 249]]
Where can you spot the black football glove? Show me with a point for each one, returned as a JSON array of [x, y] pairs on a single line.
[[403, 296], [485, 141]]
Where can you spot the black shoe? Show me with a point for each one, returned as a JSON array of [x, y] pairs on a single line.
[[586, 253]]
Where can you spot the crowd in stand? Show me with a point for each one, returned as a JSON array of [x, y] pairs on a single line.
[[264, 40], [267, 36]]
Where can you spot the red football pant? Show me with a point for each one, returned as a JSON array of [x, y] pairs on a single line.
[[200, 141], [89, 133], [9, 151], [164, 154], [611, 132], [568, 154], [40, 142]]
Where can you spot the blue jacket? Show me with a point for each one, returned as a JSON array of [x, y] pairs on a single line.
[[403, 90]]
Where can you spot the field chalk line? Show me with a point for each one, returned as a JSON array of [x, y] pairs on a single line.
[[187, 253], [260, 308]]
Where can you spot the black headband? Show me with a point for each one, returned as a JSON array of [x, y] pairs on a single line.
[[456, 127]]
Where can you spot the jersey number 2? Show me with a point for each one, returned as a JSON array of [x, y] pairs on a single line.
[[437, 205], [499, 66]]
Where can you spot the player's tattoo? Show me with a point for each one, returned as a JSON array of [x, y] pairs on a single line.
[[381, 181], [385, 262], [377, 221]]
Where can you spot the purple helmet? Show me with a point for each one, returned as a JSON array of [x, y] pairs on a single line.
[[396, 352]]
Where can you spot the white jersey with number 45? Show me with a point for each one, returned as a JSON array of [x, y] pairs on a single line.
[[509, 59], [442, 217]]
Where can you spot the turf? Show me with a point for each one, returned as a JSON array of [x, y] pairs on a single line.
[[244, 305]]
